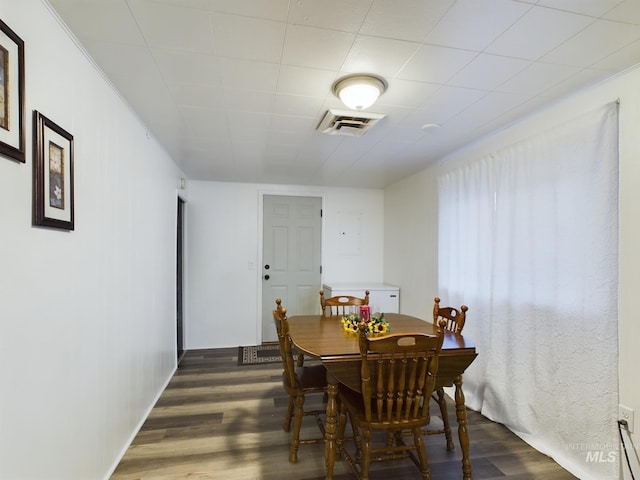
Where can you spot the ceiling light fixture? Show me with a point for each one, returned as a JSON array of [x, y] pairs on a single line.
[[359, 91]]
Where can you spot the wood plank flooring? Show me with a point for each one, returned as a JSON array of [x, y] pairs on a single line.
[[218, 420]]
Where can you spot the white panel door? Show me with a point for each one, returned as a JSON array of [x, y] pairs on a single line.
[[290, 257]]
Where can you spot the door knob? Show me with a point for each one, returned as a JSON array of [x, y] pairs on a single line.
[[266, 267], [266, 277]]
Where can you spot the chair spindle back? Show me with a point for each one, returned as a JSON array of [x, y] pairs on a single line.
[[398, 373], [454, 317], [339, 305], [284, 341]]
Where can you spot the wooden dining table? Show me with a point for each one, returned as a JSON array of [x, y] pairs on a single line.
[[324, 338]]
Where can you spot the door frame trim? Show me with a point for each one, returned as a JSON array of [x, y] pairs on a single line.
[[280, 193], [181, 195]]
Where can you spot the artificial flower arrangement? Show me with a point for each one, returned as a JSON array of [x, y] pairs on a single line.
[[377, 323]]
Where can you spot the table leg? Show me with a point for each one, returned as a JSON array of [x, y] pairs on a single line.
[[331, 426], [463, 434]]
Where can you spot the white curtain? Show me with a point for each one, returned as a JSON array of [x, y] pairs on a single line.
[[528, 240]]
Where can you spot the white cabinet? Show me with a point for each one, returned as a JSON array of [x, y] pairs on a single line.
[[383, 296]]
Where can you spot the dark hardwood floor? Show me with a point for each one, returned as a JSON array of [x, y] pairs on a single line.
[[218, 420]]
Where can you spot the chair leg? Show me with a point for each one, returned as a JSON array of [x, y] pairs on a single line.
[[356, 439], [445, 418], [422, 454], [342, 423], [288, 414], [297, 425], [366, 454]]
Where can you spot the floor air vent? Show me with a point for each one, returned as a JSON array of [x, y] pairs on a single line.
[[346, 122]]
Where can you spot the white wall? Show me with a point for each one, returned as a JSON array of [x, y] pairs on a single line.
[[87, 318], [411, 242], [224, 236], [416, 198]]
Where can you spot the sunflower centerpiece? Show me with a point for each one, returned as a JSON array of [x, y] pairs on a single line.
[[375, 323]]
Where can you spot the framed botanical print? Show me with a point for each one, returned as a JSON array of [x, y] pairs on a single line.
[[12, 143], [53, 202]]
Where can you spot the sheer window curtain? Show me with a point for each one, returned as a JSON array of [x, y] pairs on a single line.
[[528, 240]]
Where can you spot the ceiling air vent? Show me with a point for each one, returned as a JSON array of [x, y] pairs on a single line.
[[348, 122]]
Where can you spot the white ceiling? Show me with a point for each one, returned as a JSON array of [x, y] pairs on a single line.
[[234, 89]]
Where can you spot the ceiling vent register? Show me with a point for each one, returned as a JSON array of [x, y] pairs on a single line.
[[348, 122]]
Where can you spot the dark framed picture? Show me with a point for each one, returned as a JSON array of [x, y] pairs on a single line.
[[11, 94], [52, 174]]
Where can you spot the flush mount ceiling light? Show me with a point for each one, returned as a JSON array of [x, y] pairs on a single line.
[[359, 91]]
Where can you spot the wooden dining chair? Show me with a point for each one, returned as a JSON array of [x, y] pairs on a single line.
[[339, 305], [454, 319], [297, 382], [398, 374]]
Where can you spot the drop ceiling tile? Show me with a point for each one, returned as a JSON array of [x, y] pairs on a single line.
[[281, 152], [195, 169], [445, 104], [208, 144], [297, 105], [106, 15], [187, 67], [316, 47], [247, 151], [592, 44], [394, 114], [594, 8], [254, 121], [197, 95], [199, 115], [248, 100], [473, 25], [122, 60], [403, 134], [248, 38], [385, 151], [271, 10], [435, 64], [321, 145], [445, 139], [169, 26], [179, 90], [624, 58], [197, 130], [627, 11], [305, 81], [198, 4], [407, 93], [284, 137], [525, 109], [143, 93], [484, 110], [382, 56], [412, 22], [538, 32], [537, 78], [583, 79], [344, 15], [347, 153], [488, 71], [250, 75]]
